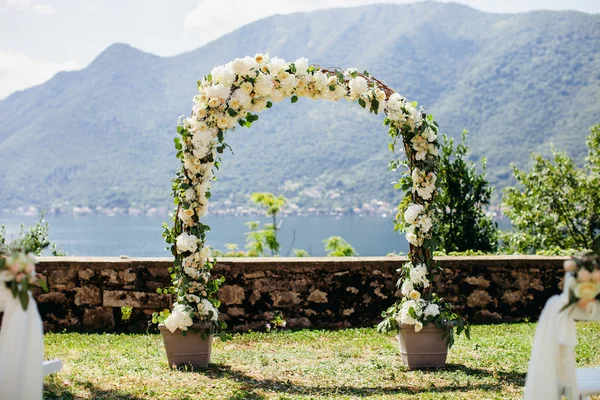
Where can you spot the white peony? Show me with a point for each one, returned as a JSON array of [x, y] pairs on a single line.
[[240, 66], [223, 75], [186, 242], [413, 212], [432, 310], [179, 318], [263, 85], [217, 91], [277, 65], [204, 254], [358, 86]]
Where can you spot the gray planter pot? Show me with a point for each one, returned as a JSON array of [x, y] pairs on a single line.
[[423, 349], [191, 349]]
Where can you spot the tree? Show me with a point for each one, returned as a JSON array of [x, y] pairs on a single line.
[[34, 239], [464, 194], [556, 203], [259, 241], [336, 246]]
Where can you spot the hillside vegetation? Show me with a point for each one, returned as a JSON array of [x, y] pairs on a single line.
[[102, 136]]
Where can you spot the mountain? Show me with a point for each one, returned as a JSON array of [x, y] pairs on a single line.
[[102, 136]]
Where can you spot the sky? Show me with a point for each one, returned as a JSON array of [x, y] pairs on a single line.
[[38, 38]]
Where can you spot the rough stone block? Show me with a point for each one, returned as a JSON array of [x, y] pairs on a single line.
[[299, 323], [479, 299], [231, 294], [98, 319], [52, 297], [252, 275], [120, 298], [62, 276], [87, 295], [318, 296], [236, 311], [127, 276], [86, 274], [110, 275], [285, 299]]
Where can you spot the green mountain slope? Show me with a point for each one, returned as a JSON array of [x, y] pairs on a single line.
[[103, 136]]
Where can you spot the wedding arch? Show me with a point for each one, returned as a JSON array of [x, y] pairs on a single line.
[[230, 96]]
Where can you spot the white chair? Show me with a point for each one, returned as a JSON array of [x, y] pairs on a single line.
[[552, 370]]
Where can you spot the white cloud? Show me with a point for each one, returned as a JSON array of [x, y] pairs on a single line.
[[28, 5], [17, 71]]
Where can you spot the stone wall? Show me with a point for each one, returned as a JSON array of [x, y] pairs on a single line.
[[88, 293]]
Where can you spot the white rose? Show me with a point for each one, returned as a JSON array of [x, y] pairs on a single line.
[[240, 66], [206, 308], [426, 224], [412, 213], [277, 96], [205, 253], [358, 86]]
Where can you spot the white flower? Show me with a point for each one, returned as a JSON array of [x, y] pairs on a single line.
[[263, 85], [205, 253], [189, 195], [395, 102], [432, 310], [186, 242], [412, 213], [192, 272], [192, 298], [203, 143], [357, 86], [426, 224], [277, 65], [301, 66], [407, 287], [240, 66], [179, 318], [321, 80], [414, 295], [243, 97], [223, 75], [214, 102], [412, 238], [185, 215], [260, 58], [219, 91], [277, 96], [206, 308], [418, 326], [418, 275]]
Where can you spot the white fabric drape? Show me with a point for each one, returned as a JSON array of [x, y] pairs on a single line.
[[21, 349]]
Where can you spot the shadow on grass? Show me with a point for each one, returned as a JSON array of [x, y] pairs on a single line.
[[55, 390], [250, 385]]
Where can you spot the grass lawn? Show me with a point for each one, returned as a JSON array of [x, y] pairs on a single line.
[[348, 364]]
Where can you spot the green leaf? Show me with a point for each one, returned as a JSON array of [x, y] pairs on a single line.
[[232, 112], [294, 98], [362, 103], [24, 298], [269, 104]]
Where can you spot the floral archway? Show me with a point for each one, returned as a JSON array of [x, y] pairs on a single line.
[[230, 96]]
